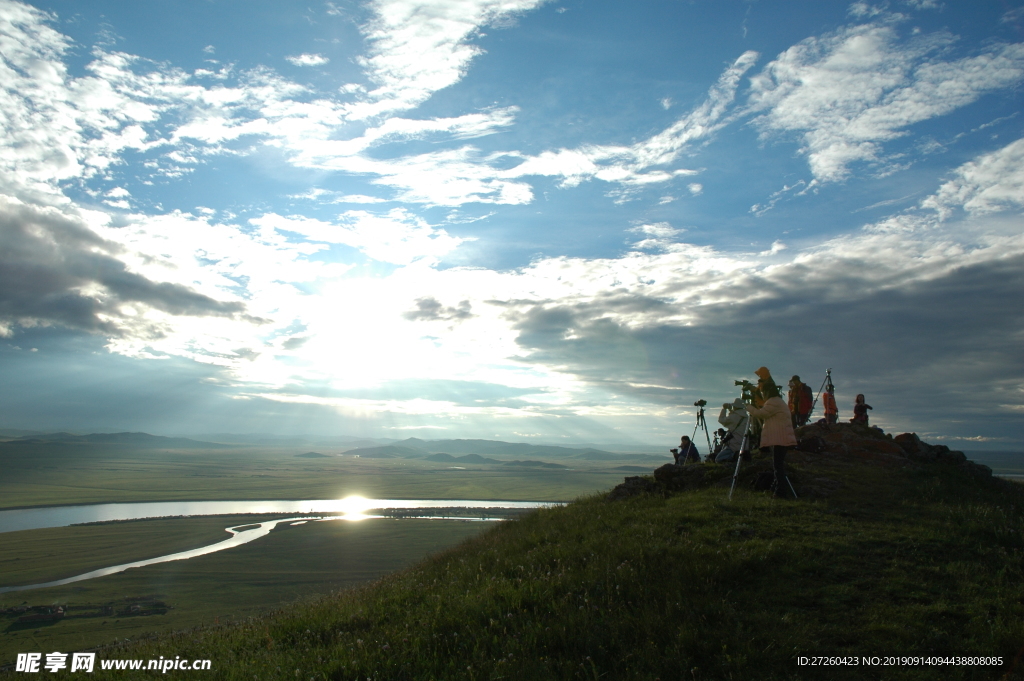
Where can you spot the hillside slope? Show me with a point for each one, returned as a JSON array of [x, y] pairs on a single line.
[[895, 548]]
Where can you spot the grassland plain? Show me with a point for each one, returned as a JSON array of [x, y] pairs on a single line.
[[901, 559], [35, 556], [49, 475], [292, 562]]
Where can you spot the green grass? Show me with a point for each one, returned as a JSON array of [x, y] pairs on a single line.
[[918, 560], [35, 556], [292, 562]]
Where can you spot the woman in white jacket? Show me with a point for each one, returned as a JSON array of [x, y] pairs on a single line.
[[777, 436]]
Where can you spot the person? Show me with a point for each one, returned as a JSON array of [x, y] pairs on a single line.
[[734, 417], [860, 411], [766, 387], [801, 399], [777, 437], [829, 402], [686, 452], [717, 445]]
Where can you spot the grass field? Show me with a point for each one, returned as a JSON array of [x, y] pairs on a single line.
[[51, 475], [35, 556], [293, 562], [915, 560]]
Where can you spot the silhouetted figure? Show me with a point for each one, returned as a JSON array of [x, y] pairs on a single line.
[[829, 402], [860, 411], [801, 398], [687, 452]]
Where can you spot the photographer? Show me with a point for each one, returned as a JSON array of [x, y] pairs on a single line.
[[734, 417], [801, 400], [766, 387], [686, 453], [777, 434]]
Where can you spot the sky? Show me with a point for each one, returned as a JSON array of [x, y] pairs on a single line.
[[560, 221]]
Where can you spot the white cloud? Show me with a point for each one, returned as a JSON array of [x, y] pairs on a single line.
[[994, 182], [418, 47], [165, 107], [395, 237], [630, 166], [308, 60], [847, 92]]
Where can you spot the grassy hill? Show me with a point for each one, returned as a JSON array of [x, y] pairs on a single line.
[[892, 550]]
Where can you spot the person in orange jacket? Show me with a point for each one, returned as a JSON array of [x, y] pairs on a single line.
[[829, 402], [766, 387]]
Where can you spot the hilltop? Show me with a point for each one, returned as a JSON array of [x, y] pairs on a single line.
[[895, 548]]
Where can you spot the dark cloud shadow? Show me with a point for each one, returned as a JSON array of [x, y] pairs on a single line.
[[940, 354], [55, 271]]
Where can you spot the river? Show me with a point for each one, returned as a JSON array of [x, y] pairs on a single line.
[[351, 508], [62, 516]]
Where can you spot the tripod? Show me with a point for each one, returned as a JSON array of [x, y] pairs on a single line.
[[827, 383], [739, 456], [701, 422], [739, 460]]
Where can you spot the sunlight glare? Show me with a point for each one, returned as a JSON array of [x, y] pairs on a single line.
[[354, 507]]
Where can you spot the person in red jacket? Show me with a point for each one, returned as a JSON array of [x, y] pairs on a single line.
[[801, 398]]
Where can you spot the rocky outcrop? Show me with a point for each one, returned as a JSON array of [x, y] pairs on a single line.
[[840, 444], [633, 487], [921, 451]]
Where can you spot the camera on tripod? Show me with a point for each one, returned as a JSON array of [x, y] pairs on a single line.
[[700, 403]]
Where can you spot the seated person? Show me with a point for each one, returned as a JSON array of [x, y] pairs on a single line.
[[734, 417], [860, 411], [686, 453], [717, 445]]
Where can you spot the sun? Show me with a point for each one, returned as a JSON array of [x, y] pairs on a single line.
[[353, 507]]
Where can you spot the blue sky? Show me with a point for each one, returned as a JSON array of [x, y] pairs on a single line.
[[516, 219]]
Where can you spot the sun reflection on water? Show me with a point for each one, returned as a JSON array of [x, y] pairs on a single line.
[[354, 507]]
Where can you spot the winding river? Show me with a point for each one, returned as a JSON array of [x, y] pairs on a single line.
[[351, 508]]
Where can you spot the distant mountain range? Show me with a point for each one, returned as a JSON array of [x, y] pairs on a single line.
[[468, 458], [507, 449], [410, 448], [473, 451], [138, 440], [386, 452]]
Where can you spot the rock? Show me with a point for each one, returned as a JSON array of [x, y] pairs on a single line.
[[633, 487], [954, 457], [977, 470], [911, 443], [677, 478]]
